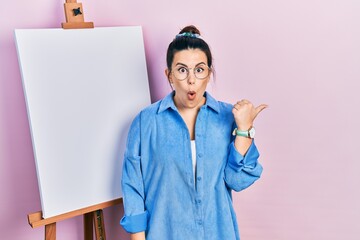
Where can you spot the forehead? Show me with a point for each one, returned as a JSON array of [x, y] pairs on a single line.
[[190, 57]]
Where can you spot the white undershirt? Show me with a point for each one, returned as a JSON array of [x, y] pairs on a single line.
[[193, 156]]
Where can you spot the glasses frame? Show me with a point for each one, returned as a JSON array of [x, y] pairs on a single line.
[[188, 73]]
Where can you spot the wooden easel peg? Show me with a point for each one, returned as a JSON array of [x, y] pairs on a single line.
[[50, 231], [74, 15], [99, 225], [95, 219]]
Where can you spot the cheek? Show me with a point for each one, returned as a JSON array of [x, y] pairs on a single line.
[[178, 86], [204, 84]]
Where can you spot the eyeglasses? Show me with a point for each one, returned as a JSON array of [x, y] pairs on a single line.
[[200, 72]]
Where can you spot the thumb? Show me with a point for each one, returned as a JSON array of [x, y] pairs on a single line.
[[259, 108]]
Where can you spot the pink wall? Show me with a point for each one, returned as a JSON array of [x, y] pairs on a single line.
[[300, 57]]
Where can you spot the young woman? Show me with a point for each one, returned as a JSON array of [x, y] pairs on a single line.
[[186, 153]]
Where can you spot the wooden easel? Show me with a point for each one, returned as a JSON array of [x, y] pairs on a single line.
[[92, 217], [74, 15]]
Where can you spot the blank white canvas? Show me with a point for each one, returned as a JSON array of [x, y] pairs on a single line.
[[82, 88]]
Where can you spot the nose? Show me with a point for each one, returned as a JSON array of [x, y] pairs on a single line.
[[191, 78]]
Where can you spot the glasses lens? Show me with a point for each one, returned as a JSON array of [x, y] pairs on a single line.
[[181, 73], [201, 72]]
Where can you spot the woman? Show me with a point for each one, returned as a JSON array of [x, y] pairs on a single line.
[[182, 160]]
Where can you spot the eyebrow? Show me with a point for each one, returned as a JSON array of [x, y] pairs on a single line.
[[183, 64]]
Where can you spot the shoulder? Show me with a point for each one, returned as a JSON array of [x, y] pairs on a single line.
[[147, 114], [150, 110], [219, 106], [142, 120], [224, 106], [225, 112]]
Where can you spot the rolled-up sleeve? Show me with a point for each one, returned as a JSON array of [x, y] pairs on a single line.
[[242, 171], [135, 223], [135, 217]]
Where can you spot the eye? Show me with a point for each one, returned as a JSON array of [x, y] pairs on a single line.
[[199, 69], [182, 70]]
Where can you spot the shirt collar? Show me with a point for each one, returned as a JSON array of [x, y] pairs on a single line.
[[168, 102]]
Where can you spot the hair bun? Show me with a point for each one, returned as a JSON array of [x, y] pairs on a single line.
[[190, 29]]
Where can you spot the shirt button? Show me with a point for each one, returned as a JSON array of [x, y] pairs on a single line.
[[199, 222], [199, 178], [200, 155], [198, 201]]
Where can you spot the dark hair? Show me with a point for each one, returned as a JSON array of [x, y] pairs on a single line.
[[188, 42]]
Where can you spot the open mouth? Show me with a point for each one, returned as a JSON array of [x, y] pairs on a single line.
[[191, 95]]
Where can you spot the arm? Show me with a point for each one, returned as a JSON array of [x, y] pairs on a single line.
[[135, 217], [242, 144], [244, 114], [242, 168], [137, 236]]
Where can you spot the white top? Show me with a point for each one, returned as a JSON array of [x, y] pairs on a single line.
[[193, 156]]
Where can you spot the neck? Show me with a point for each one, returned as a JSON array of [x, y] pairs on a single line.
[[189, 115], [185, 109]]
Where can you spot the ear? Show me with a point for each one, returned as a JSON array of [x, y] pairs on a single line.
[[211, 76], [208, 79], [168, 76]]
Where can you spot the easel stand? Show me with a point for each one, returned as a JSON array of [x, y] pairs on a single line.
[[74, 15], [92, 216]]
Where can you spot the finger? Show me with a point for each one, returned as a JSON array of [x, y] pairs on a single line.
[[259, 108], [234, 107], [243, 101], [234, 111]]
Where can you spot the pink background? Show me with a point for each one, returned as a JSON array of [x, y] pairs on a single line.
[[300, 57]]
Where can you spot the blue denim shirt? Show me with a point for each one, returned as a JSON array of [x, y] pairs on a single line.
[[159, 193]]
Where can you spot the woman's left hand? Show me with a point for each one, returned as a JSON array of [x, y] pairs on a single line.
[[245, 113]]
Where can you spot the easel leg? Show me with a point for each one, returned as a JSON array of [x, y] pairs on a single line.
[[99, 225], [50, 231], [88, 226]]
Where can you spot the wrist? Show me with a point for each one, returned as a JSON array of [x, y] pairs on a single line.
[[249, 133], [244, 127]]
